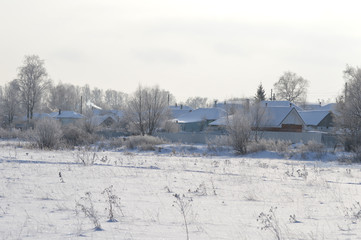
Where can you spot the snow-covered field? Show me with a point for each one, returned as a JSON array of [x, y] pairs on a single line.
[[225, 195]]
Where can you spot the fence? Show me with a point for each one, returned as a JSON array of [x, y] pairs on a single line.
[[295, 137]]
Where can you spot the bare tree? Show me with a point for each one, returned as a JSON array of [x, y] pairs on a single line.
[[115, 99], [291, 87], [64, 96], [147, 109], [32, 81], [197, 102], [258, 119], [348, 117], [10, 101]]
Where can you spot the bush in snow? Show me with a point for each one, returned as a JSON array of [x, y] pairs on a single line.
[[77, 135], [239, 131], [313, 147], [218, 143], [11, 133], [47, 133], [144, 143]]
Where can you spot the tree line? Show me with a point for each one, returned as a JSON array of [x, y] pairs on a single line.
[[144, 110]]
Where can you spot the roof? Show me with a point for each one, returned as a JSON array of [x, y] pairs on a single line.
[[314, 117], [37, 116], [201, 114], [271, 117], [67, 114], [99, 119], [101, 112], [275, 116], [178, 111], [280, 104]]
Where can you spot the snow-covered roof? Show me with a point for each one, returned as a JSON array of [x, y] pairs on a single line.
[[178, 111], [37, 116], [329, 107], [201, 114], [280, 104], [117, 113], [270, 117], [314, 117], [180, 107], [99, 119], [67, 114], [275, 116], [222, 121]]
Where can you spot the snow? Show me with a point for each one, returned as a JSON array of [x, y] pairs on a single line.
[[67, 114], [227, 194], [280, 104], [201, 114]]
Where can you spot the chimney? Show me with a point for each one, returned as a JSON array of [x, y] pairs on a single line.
[[266, 104], [290, 104], [215, 103], [181, 106], [59, 111]]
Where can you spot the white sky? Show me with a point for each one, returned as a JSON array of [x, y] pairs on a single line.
[[214, 49]]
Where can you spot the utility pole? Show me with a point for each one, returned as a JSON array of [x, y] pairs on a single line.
[[81, 104]]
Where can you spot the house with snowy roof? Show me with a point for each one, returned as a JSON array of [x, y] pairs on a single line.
[[319, 120], [276, 119], [179, 110], [22, 123], [66, 117], [199, 119], [268, 103], [106, 118]]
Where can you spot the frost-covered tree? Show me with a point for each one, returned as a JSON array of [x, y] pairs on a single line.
[[10, 101], [348, 116], [33, 82]]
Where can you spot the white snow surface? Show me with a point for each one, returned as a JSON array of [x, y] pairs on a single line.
[[313, 199]]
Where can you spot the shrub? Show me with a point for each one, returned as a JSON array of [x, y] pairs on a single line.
[[239, 130], [143, 142], [313, 147], [75, 135], [218, 143], [279, 146], [86, 156], [11, 133], [47, 133]]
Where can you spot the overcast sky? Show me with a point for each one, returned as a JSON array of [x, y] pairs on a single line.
[[214, 49]]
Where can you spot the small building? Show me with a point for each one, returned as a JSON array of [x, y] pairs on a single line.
[[179, 110], [275, 119], [66, 117], [282, 119], [318, 120], [199, 119]]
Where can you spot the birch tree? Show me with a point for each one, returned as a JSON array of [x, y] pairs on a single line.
[[32, 81]]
